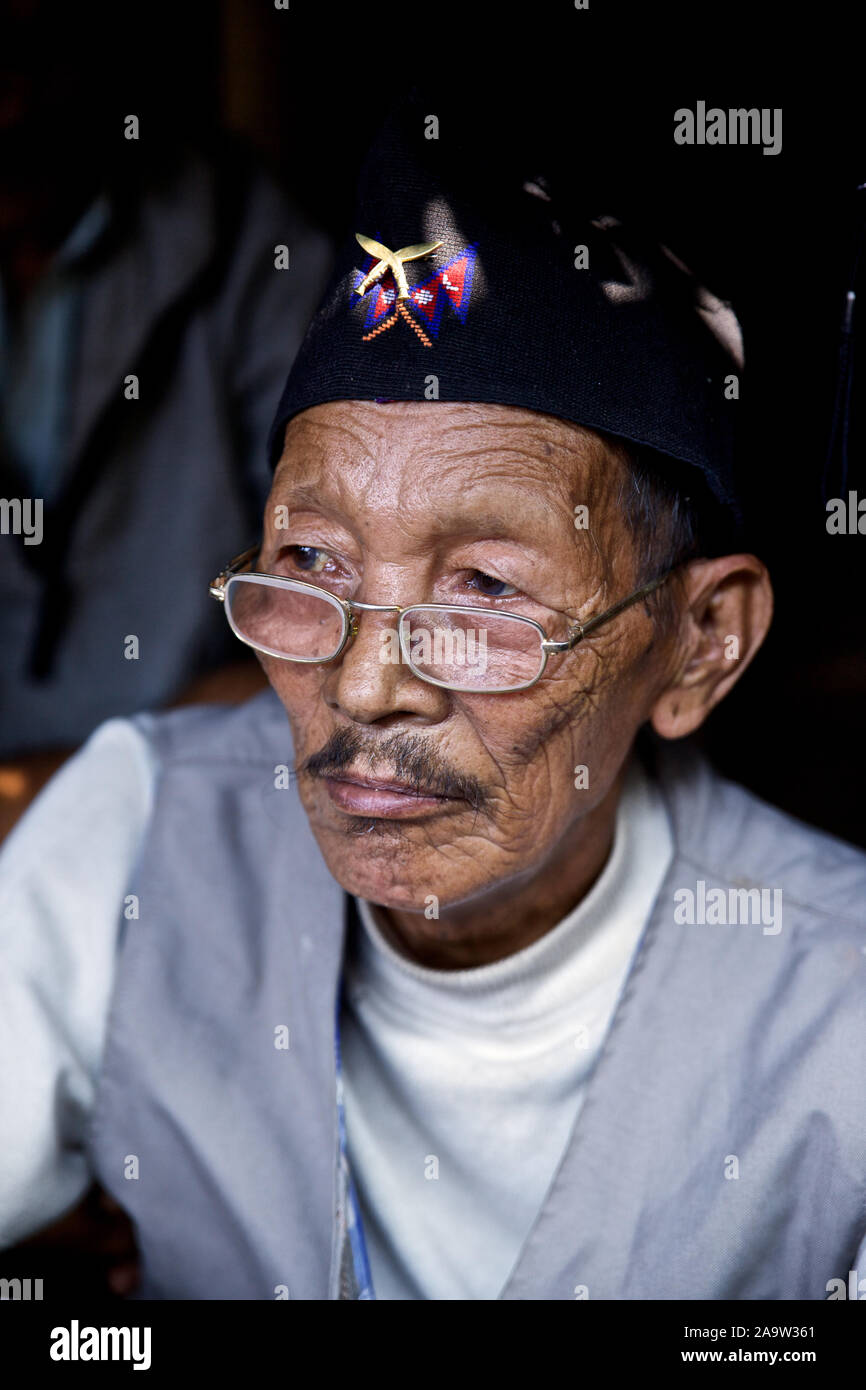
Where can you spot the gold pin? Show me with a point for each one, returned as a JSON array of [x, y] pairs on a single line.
[[393, 261]]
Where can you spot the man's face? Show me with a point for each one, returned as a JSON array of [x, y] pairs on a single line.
[[465, 504]]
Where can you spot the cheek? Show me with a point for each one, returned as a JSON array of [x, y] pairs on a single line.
[[528, 744], [554, 749], [298, 689], [525, 730]]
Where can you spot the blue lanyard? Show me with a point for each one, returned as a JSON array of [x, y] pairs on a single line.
[[354, 1225]]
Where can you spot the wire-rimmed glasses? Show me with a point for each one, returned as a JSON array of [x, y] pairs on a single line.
[[460, 647]]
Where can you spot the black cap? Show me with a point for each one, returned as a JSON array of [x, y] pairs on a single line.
[[530, 299]]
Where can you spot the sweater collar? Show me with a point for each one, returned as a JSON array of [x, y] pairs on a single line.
[[538, 981]]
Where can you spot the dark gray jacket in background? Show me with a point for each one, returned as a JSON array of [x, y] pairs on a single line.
[[156, 494]]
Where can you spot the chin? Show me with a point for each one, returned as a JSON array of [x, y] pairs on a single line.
[[381, 864]]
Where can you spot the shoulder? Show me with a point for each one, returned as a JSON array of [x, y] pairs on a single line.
[[728, 833], [63, 875], [67, 864], [255, 732], [92, 810], [90, 820]]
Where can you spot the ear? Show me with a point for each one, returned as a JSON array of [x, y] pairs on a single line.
[[726, 609]]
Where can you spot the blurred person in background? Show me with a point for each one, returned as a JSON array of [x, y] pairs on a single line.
[[153, 281]]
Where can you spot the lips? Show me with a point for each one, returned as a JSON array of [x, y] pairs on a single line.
[[365, 796]]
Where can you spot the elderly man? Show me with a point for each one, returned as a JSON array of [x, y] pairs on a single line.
[[469, 981]]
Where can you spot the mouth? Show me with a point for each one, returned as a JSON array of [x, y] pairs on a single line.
[[367, 796]]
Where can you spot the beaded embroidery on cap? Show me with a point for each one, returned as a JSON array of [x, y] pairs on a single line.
[[421, 305]]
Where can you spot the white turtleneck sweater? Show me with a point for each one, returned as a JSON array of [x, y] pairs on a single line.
[[462, 1086]]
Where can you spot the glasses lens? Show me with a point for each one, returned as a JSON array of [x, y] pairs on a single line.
[[471, 650], [285, 622]]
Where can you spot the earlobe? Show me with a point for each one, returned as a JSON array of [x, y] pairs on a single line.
[[728, 607], [678, 713]]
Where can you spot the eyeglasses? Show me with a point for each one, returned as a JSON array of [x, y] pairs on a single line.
[[459, 647]]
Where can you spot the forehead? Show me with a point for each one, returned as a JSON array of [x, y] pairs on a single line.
[[412, 455]]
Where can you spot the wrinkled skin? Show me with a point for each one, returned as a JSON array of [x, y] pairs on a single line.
[[411, 502]]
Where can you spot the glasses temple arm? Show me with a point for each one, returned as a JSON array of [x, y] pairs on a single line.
[[583, 629], [237, 564]]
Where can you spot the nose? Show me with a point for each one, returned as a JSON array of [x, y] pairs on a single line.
[[371, 684]]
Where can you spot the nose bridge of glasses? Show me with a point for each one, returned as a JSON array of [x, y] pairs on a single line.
[[375, 607], [352, 606]]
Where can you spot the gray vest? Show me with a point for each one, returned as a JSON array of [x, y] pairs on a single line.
[[721, 1149]]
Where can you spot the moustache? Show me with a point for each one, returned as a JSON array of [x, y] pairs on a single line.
[[401, 756]]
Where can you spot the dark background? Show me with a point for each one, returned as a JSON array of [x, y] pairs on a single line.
[[594, 92]]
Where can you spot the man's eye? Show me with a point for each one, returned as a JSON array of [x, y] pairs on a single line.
[[491, 587], [308, 558]]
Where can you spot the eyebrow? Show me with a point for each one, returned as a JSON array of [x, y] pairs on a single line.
[[487, 526], [300, 495]]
